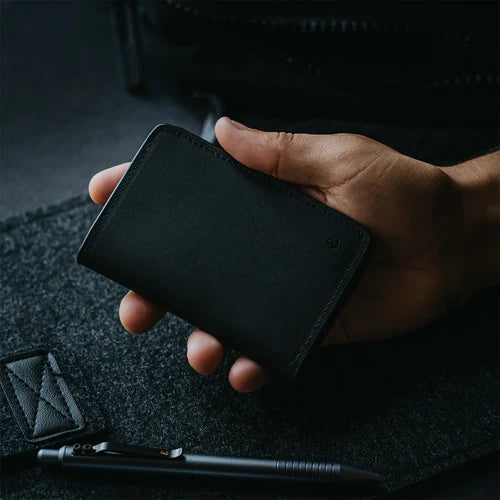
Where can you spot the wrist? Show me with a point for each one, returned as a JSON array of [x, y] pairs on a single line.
[[478, 182]]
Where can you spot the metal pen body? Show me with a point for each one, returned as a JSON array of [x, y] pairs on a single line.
[[213, 466]]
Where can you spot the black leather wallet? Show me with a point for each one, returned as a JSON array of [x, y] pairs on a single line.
[[239, 254]]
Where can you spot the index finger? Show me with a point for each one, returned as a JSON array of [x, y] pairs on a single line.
[[103, 183]]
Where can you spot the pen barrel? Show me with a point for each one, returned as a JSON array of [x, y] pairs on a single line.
[[305, 470], [287, 470], [210, 466]]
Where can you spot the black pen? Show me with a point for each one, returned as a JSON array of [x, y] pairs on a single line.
[[115, 457]]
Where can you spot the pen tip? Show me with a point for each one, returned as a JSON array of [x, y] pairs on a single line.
[[358, 475]]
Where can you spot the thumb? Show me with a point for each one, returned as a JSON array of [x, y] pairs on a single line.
[[298, 158]]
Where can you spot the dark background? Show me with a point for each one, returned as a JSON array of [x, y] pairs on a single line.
[[65, 114]]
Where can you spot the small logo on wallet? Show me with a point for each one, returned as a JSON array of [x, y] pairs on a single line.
[[333, 242]]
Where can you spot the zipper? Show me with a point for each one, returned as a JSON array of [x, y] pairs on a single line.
[[315, 26], [475, 79]]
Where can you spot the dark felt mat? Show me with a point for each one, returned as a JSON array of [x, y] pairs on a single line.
[[408, 408]]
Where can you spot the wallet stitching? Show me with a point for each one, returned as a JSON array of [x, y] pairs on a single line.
[[263, 178], [107, 210], [332, 297]]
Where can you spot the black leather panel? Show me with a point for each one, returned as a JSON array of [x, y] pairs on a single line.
[[39, 396], [244, 256]]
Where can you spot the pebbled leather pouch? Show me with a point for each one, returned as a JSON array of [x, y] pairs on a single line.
[[44, 401], [242, 255]]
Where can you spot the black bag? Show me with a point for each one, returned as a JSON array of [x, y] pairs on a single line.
[[411, 60]]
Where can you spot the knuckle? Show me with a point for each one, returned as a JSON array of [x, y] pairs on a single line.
[[285, 138], [281, 142], [352, 142]]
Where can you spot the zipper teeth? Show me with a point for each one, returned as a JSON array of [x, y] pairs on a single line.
[[319, 26], [322, 26], [475, 79], [484, 78]]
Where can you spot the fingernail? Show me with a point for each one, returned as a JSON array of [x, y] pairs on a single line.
[[239, 125]]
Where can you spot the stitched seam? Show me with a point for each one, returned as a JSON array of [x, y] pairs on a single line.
[[40, 399], [39, 396], [325, 310], [18, 401], [261, 177], [56, 377], [265, 178], [128, 176], [63, 397]]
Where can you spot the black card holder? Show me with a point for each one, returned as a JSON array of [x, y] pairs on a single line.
[[45, 400], [242, 255]]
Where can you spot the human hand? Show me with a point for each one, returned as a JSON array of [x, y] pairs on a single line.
[[415, 212]]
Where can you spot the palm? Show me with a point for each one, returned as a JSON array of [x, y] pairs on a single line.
[[396, 198]]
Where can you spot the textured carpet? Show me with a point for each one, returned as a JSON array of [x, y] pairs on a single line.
[[408, 409]]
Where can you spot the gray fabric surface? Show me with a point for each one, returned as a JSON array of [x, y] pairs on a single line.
[[409, 408]]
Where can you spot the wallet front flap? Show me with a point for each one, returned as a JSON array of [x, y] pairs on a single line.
[[237, 253]]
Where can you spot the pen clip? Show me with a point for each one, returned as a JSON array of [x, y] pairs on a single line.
[[110, 447]]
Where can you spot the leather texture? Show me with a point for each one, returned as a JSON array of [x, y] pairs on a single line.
[[242, 255], [45, 400], [39, 396]]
